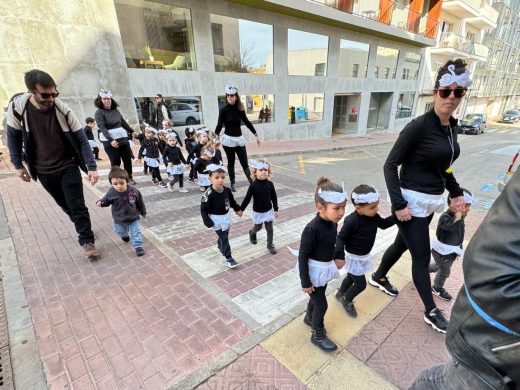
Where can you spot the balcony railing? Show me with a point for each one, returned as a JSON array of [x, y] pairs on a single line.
[[390, 13], [454, 41]]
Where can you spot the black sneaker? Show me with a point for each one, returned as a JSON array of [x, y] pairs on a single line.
[[384, 285], [125, 238], [155, 182], [442, 293], [231, 263], [252, 237], [338, 295], [349, 307], [437, 320], [272, 249], [162, 184], [139, 251]]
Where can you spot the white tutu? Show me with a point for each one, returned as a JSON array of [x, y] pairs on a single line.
[[92, 143], [321, 272], [203, 179], [259, 218], [421, 204], [221, 222], [445, 249], [233, 142], [116, 133], [358, 265], [176, 169], [152, 162]]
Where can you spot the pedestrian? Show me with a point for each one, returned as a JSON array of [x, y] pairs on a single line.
[[484, 331], [194, 154], [91, 123], [215, 142], [316, 263], [152, 156], [355, 241], [148, 110], [45, 134], [261, 115], [426, 150], [191, 139], [161, 112], [206, 156], [175, 162], [447, 245], [141, 137], [115, 132], [267, 113], [231, 116], [265, 202], [215, 210], [168, 128], [127, 207]]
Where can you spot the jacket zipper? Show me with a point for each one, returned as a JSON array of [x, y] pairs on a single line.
[[506, 347]]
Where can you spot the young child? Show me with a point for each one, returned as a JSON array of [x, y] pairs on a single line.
[[91, 123], [316, 263], [206, 155], [191, 140], [202, 139], [168, 128], [161, 142], [215, 212], [141, 137], [127, 205], [447, 245], [215, 142], [175, 162], [265, 202], [355, 241], [150, 146]]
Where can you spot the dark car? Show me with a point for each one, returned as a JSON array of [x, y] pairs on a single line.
[[510, 116], [473, 124]]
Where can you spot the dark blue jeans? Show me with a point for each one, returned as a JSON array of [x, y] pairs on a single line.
[[223, 243]]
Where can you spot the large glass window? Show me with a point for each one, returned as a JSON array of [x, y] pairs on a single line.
[[405, 105], [412, 62], [259, 108], [155, 35], [183, 110], [386, 59], [305, 107], [307, 53], [353, 58], [241, 45]]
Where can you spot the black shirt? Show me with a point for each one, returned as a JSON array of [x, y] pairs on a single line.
[[111, 119], [424, 153], [358, 234], [231, 117], [263, 194], [151, 146], [195, 152], [190, 144], [201, 165], [317, 243], [173, 155], [88, 133], [218, 203]]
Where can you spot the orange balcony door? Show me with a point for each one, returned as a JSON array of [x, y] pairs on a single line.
[[432, 24], [346, 5], [414, 15], [385, 11]]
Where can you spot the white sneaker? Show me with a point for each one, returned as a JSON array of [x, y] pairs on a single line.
[[170, 187], [184, 190]]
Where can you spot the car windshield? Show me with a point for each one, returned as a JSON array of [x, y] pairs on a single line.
[[473, 118], [511, 112]]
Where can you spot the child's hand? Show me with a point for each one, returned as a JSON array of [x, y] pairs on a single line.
[[458, 215], [276, 215], [239, 213], [308, 290], [188, 166], [137, 160], [98, 203], [340, 263]]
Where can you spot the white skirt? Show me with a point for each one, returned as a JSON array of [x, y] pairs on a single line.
[[176, 169], [259, 218], [421, 204], [152, 162], [92, 143], [116, 133], [322, 273], [221, 222], [203, 179], [445, 249], [358, 265], [232, 142]]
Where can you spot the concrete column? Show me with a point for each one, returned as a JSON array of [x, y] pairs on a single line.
[[280, 70]]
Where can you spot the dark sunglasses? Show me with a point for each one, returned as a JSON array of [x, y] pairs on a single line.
[[46, 95], [457, 92], [228, 95]]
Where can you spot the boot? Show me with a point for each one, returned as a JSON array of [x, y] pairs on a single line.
[[307, 321], [272, 248], [233, 188], [252, 237], [247, 171], [348, 306], [319, 339]]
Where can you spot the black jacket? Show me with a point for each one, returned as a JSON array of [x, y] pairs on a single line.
[[126, 206], [491, 269], [218, 203]]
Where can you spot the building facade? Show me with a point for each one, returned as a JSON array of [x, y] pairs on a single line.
[[316, 66]]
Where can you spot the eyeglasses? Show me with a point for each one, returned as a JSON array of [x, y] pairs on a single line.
[[446, 92], [228, 95], [46, 95]]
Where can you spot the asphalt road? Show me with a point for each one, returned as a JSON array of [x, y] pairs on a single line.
[[483, 161]]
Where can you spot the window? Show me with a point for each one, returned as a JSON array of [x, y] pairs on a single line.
[[406, 74], [376, 72], [387, 72], [412, 62], [319, 69], [259, 108], [305, 107], [305, 51], [241, 45], [405, 105], [155, 35], [387, 58], [184, 110], [353, 55], [428, 107]]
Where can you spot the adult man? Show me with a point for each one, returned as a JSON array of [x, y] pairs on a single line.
[[483, 336], [54, 145], [91, 123]]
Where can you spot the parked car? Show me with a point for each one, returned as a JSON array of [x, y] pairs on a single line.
[[184, 113], [510, 116], [511, 169], [473, 124]]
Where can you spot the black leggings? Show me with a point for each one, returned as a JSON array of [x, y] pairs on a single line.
[[242, 157], [317, 307], [156, 173], [123, 152], [352, 286], [268, 228], [415, 236], [178, 179]]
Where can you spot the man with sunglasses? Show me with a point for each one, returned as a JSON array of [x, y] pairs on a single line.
[[45, 134]]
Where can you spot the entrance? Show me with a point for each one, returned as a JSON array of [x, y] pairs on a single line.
[[346, 113], [379, 111]]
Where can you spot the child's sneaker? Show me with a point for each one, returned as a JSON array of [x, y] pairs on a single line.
[[125, 238], [437, 320], [190, 180], [155, 182], [231, 263], [162, 184], [384, 285], [338, 295], [442, 293], [183, 190], [139, 251], [349, 307], [170, 187], [272, 249]]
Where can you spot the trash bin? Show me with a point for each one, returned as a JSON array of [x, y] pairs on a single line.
[[301, 113]]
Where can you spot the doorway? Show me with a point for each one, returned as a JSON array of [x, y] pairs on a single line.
[[379, 111], [346, 113]]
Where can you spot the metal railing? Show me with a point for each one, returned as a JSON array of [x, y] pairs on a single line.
[[452, 40]]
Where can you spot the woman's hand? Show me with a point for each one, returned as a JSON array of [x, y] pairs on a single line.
[[458, 203], [257, 139], [404, 214], [308, 290], [276, 215], [114, 144], [137, 161]]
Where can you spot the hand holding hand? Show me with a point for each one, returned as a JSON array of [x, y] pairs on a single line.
[[308, 290], [137, 160], [98, 203], [239, 213], [404, 214], [340, 263], [23, 174]]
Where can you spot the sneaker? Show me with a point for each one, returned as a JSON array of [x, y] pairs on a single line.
[[183, 190], [90, 251], [155, 182], [162, 184], [190, 180], [338, 295], [384, 285], [125, 238], [272, 249], [252, 237], [442, 293], [437, 320], [349, 307], [231, 263], [170, 187], [139, 251]]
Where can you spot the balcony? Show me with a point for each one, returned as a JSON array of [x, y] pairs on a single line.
[[463, 9], [453, 45], [487, 17]]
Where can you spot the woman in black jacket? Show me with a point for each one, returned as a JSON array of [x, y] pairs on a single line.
[[231, 116]]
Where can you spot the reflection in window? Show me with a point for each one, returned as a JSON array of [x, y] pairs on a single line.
[[305, 52], [387, 58], [319, 69], [242, 46], [258, 108], [184, 110], [353, 55], [412, 62], [405, 105], [306, 107], [156, 36]]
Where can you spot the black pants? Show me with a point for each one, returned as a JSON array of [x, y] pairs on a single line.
[[145, 167], [415, 236], [156, 173], [66, 188], [95, 151], [223, 243], [121, 153], [268, 229], [317, 307], [178, 179], [242, 157], [443, 265], [352, 286]]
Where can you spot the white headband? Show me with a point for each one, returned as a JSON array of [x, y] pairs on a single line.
[[200, 131], [463, 79], [150, 128], [370, 197], [171, 135], [105, 93], [332, 196], [230, 90], [207, 152], [259, 164], [468, 198], [215, 168]]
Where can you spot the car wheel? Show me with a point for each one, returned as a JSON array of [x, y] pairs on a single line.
[[190, 121]]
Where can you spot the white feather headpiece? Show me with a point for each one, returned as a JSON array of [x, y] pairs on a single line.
[[105, 93], [230, 90], [463, 79]]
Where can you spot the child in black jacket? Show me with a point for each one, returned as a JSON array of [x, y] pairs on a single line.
[[150, 151], [175, 163]]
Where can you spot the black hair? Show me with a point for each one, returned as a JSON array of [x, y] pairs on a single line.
[[117, 173], [36, 77], [362, 189], [89, 120], [463, 190], [238, 103], [99, 103], [325, 184], [189, 131], [460, 67]]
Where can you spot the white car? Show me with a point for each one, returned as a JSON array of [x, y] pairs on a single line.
[[513, 166], [184, 113]]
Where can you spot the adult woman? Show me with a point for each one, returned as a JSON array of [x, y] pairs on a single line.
[[425, 150], [231, 116], [115, 131], [161, 112]]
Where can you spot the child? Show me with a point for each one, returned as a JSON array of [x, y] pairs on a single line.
[[355, 241], [447, 245], [202, 139], [168, 128], [215, 142], [141, 137], [91, 123], [175, 162], [150, 146], [191, 140], [215, 211], [265, 202], [161, 141], [206, 155], [127, 205], [316, 263]]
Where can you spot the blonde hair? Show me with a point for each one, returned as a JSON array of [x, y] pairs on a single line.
[[325, 184], [269, 170]]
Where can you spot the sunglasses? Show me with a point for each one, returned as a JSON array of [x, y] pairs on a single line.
[[46, 95], [228, 95], [457, 92]]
